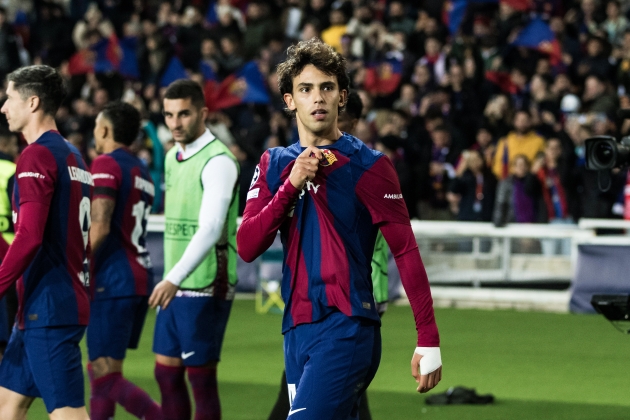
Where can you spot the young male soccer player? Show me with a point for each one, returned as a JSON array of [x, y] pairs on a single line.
[[122, 277], [48, 257], [328, 195], [347, 122], [196, 294]]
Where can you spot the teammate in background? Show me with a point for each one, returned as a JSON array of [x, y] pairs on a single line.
[[48, 257], [122, 277], [195, 297], [347, 122], [329, 195]]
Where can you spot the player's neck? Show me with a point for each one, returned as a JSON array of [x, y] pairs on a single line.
[[110, 146], [309, 138], [38, 126]]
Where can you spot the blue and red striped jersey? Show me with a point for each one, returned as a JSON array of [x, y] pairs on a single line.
[[52, 288], [328, 232], [121, 266]]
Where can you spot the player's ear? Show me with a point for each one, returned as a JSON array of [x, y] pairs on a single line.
[[343, 97], [204, 113], [288, 100], [34, 103]]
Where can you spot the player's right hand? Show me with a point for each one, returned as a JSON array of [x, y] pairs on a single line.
[[305, 167], [162, 294]]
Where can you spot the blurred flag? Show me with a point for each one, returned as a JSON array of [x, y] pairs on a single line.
[[383, 78], [129, 61], [81, 62], [539, 36], [108, 55], [247, 85], [207, 71], [211, 15], [503, 80], [174, 71], [454, 11]]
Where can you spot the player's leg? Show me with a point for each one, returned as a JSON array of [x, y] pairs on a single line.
[[202, 328], [339, 356], [13, 406], [170, 372], [109, 336], [69, 413]]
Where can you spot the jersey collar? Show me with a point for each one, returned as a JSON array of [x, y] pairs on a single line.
[[345, 144]]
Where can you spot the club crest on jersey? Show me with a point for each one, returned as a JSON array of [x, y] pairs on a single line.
[[328, 159]]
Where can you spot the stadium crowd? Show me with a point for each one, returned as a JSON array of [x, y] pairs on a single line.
[[482, 105]]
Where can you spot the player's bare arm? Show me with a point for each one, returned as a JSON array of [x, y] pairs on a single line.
[[101, 213], [305, 167]]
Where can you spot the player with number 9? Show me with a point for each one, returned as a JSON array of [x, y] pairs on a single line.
[[122, 276], [48, 257]]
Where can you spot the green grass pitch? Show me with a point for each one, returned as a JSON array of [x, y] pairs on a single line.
[[538, 366]]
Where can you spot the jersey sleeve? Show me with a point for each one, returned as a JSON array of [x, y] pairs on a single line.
[[264, 212], [35, 174], [107, 177], [378, 189]]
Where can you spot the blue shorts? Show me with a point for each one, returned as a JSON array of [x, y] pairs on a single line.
[[329, 365], [115, 326], [45, 362], [192, 328]]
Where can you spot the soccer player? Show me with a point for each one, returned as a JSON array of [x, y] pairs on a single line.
[[195, 297], [122, 277], [347, 122], [48, 256], [329, 195]]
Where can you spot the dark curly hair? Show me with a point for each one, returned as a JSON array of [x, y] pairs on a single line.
[[41, 81], [125, 121], [320, 55]]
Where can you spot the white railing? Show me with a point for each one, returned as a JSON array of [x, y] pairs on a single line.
[[464, 252]]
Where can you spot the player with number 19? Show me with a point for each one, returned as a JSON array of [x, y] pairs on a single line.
[[48, 257], [122, 276]]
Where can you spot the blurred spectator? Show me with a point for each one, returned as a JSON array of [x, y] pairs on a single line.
[[472, 192], [522, 141], [556, 180], [332, 34], [438, 169], [517, 195], [595, 63], [9, 55], [615, 24], [596, 97], [398, 20], [259, 26]]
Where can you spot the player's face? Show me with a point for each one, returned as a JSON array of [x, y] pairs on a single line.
[[316, 99], [185, 121], [16, 109]]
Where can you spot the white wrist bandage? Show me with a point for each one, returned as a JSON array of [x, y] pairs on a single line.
[[431, 359]]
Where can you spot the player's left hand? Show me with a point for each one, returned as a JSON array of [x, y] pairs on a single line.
[[432, 365], [162, 294]]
